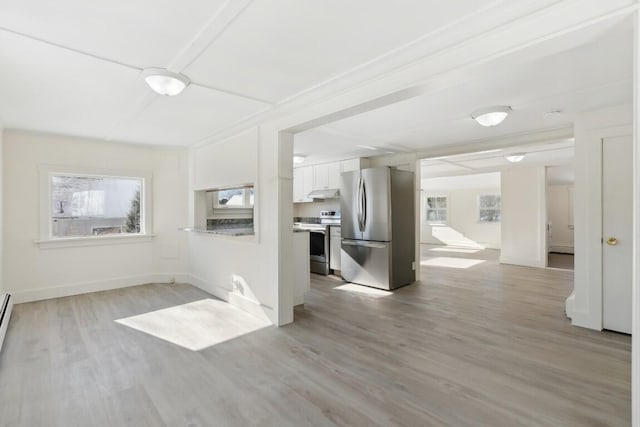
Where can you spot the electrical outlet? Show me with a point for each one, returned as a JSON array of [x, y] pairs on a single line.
[[172, 280]]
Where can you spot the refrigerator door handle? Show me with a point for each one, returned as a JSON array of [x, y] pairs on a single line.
[[364, 205], [359, 203], [364, 243]]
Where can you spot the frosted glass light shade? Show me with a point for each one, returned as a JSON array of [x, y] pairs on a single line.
[[515, 157], [165, 82], [491, 116]]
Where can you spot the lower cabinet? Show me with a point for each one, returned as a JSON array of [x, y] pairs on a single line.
[[301, 273], [335, 242]]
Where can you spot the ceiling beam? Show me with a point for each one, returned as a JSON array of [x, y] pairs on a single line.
[[497, 34], [525, 138], [215, 26]]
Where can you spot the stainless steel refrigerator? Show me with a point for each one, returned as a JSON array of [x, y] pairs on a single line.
[[378, 227]]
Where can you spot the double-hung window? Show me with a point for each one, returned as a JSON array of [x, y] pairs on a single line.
[[489, 207], [436, 209]]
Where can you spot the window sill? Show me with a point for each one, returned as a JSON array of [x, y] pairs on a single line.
[[70, 242]]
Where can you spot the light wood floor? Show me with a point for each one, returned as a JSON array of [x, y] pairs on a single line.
[[483, 345], [557, 260]]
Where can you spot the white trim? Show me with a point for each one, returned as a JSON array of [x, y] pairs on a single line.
[[234, 298], [635, 326], [112, 239], [46, 171], [523, 262], [560, 249], [44, 293]]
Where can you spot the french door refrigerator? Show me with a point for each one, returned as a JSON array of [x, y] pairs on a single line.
[[378, 227]]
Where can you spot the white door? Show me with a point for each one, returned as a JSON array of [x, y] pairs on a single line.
[[617, 228]]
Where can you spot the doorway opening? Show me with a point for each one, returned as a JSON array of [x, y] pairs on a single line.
[[560, 226]]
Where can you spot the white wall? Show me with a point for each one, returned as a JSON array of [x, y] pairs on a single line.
[[463, 227], [216, 261], [523, 216], [558, 216], [1, 211], [33, 272], [312, 209], [584, 305]]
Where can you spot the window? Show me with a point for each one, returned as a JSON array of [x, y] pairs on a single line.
[[489, 206], [436, 209], [92, 205], [234, 198]]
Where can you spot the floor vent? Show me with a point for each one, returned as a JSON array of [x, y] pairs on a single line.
[[6, 304]]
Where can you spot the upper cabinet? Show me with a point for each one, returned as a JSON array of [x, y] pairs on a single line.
[[354, 164], [326, 175], [302, 184], [322, 177]]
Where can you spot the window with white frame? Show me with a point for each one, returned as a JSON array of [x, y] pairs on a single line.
[[489, 207], [436, 209], [233, 198], [95, 205]]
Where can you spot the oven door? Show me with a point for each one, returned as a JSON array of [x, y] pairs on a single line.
[[318, 246]]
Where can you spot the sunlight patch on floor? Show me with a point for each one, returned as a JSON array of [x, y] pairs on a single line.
[[456, 250], [364, 290], [196, 325], [449, 236], [448, 262]]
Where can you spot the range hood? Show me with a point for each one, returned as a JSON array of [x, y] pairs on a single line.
[[332, 193]]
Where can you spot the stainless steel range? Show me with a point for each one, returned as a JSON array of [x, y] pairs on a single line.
[[319, 237]]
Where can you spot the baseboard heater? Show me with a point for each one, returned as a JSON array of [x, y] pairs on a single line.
[[6, 304]]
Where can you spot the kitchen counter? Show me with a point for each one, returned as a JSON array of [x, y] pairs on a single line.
[[225, 231]]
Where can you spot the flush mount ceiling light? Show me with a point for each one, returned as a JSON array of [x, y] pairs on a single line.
[[165, 82], [515, 157], [491, 116], [298, 159]]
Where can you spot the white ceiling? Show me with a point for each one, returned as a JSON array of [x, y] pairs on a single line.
[[72, 66], [489, 180], [594, 72], [552, 153]]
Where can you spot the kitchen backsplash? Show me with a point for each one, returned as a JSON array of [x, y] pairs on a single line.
[[307, 219], [312, 209], [230, 223]]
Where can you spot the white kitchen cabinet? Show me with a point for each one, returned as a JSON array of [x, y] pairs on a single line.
[[321, 176], [326, 175], [302, 184], [334, 174], [354, 164], [301, 272], [335, 242]]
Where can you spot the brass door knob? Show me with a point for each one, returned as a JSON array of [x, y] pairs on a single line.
[[612, 241]]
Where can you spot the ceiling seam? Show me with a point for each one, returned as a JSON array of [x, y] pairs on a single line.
[[70, 49]]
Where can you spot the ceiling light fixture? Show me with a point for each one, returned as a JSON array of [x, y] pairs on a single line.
[[491, 116], [367, 147], [298, 159], [165, 82], [515, 157], [553, 113]]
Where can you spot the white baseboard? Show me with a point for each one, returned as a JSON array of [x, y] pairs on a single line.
[[569, 304], [229, 295], [39, 294], [561, 249], [234, 298], [524, 262]]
